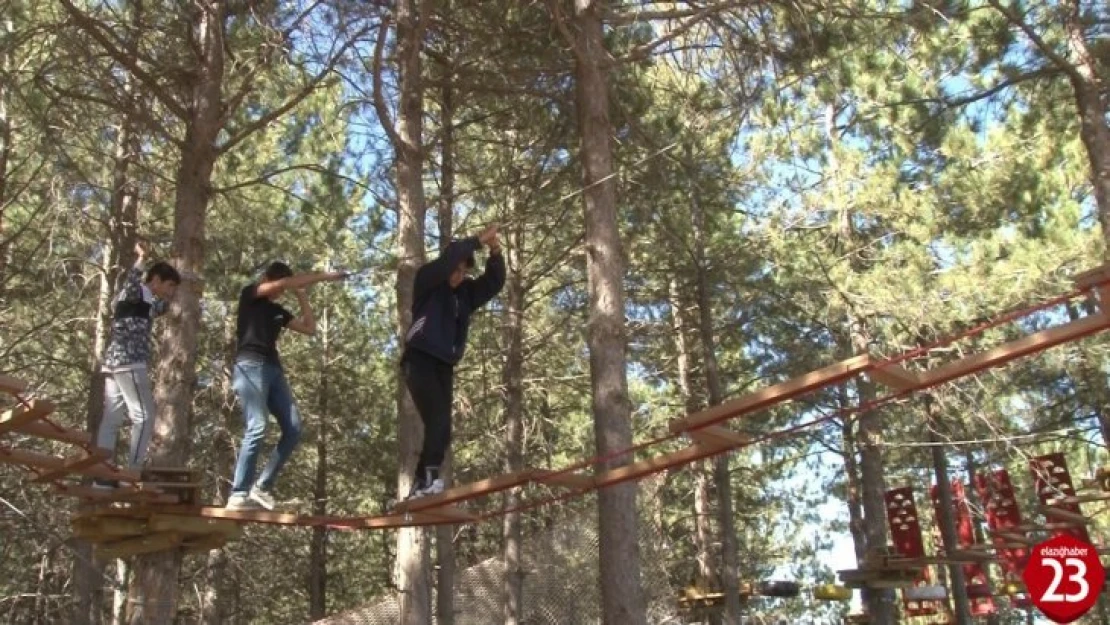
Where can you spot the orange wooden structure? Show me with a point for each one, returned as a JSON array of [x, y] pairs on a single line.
[[706, 431]]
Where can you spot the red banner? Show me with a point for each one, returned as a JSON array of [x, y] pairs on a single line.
[[1053, 482], [978, 590], [996, 493], [905, 532]]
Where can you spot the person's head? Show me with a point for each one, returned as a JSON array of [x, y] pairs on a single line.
[[459, 274], [162, 280], [277, 270]]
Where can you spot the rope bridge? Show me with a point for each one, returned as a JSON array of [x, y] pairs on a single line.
[[154, 500]]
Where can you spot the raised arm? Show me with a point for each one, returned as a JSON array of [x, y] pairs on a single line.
[[132, 290], [483, 288], [306, 322], [299, 281], [439, 270]]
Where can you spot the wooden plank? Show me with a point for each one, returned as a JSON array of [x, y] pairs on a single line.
[[30, 459], [139, 545], [36, 409], [12, 386], [1064, 515], [452, 513], [468, 491], [98, 530], [101, 494], [1092, 277], [78, 465], [571, 479], [774, 394], [1036, 342], [718, 436], [56, 433], [186, 525], [204, 544], [895, 376], [653, 464], [1079, 499]]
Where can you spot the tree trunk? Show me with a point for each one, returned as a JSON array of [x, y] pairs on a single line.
[[413, 564], [855, 489], [1092, 106], [215, 604], [512, 376], [622, 595], [153, 595], [947, 520], [445, 534], [318, 547], [6, 30], [123, 217], [703, 532], [722, 478]]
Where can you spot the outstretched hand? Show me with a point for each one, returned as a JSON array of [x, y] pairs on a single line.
[[488, 236]]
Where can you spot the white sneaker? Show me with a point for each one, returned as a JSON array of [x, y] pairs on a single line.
[[262, 498], [240, 501], [435, 488]]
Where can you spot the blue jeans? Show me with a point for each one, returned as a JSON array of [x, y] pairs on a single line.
[[262, 388]]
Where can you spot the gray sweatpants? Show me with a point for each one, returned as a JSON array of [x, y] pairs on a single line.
[[128, 393]]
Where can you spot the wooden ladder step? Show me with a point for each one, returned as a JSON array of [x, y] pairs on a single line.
[[14, 419], [50, 431], [78, 465], [718, 436]]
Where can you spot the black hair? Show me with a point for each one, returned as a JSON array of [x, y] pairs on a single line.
[[470, 262], [276, 271], [164, 272]]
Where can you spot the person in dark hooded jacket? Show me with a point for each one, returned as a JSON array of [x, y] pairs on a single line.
[[444, 298]]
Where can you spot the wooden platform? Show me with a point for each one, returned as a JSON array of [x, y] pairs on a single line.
[[149, 532]]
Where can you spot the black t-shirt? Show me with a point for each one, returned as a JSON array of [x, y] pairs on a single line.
[[258, 326]]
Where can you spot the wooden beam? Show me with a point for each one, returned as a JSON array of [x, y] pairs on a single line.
[[122, 493], [774, 394], [57, 433], [30, 459], [1036, 342], [186, 525], [12, 386], [571, 479], [654, 464], [1092, 277], [895, 376], [718, 436], [452, 513], [12, 420], [472, 490], [1064, 515], [204, 544], [78, 465], [150, 543]]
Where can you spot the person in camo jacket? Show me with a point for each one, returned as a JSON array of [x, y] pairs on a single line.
[[127, 388]]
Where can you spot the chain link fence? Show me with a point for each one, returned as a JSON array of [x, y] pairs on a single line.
[[560, 581]]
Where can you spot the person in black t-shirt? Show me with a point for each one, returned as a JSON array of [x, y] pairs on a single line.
[[259, 380]]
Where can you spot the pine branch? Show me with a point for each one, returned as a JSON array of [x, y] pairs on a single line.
[[265, 120], [96, 30], [384, 118]]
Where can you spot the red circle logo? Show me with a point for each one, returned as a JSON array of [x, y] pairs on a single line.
[[1064, 577]]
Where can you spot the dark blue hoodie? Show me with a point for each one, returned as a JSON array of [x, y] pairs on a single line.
[[440, 314]]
